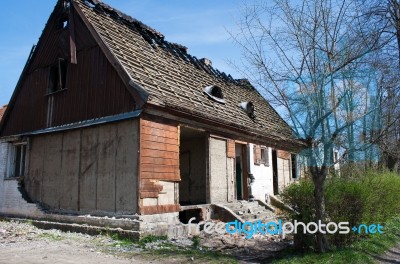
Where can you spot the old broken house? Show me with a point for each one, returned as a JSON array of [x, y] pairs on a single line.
[[109, 118]]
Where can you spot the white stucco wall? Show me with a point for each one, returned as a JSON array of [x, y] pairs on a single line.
[[263, 183]]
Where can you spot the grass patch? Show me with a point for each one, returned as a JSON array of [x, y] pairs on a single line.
[[165, 249], [196, 242], [50, 236], [198, 255], [150, 239], [121, 241], [362, 251], [126, 242]]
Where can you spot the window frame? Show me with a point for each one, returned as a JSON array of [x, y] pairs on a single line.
[[12, 163], [57, 80], [256, 159], [258, 155], [264, 160]]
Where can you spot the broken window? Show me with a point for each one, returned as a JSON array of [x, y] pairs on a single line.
[[16, 160], [260, 155], [58, 76]]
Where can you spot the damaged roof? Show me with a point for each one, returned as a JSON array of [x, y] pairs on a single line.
[[174, 79]]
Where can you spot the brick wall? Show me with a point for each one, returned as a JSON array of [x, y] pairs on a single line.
[[11, 201]]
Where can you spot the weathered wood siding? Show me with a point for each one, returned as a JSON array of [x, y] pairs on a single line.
[[159, 166], [88, 170], [93, 87]]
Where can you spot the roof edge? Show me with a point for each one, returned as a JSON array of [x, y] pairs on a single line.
[[289, 144], [86, 123]]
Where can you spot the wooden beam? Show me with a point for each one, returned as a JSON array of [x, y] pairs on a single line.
[[159, 209]]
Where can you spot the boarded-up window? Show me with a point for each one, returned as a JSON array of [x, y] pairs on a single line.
[[264, 156], [257, 154]]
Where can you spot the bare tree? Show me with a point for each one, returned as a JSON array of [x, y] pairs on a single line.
[[385, 16], [305, 57]]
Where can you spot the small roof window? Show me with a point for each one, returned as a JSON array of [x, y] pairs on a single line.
[[248, 107], [214, 92]]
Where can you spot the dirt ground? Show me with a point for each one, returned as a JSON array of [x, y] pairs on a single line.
[[24, 243], [21, 242]]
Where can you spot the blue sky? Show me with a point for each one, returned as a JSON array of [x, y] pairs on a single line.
[[199, 25]]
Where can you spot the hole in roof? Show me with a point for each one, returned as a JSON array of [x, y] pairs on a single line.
[[214, 92], [248, 107], [90, 4], [62, 23]]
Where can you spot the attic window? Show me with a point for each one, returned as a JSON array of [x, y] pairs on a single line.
[[214, 92], [248, 107], [62, 23], [58, 76]]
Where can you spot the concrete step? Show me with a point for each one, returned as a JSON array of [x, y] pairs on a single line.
[[262, 217], [242, 206], [254, 210], [250, 211], [80, 228]]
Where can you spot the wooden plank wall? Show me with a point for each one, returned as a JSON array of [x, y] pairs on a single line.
[[159, 162], [94, 88], [88, 170]]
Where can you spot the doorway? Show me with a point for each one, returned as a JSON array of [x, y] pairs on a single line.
[[241, 177], [193, 166], [275, 172]]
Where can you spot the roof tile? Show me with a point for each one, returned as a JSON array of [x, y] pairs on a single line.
[[176, 79]]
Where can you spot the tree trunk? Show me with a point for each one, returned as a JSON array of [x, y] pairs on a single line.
[[319, 176]]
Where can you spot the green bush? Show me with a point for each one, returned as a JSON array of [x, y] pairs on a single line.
[[362, 199]]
